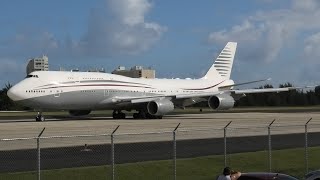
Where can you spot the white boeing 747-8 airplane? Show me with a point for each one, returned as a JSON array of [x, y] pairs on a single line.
[[81, 92]]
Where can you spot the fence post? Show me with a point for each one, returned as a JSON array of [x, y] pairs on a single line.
[[112, 152], [270, 145], [39, 155], [306, 153], [175, 152], [225, 143]]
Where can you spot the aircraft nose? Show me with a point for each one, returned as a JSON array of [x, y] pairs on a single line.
[[14, 94]]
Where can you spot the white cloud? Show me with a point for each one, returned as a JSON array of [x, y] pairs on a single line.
[[263, 35], [126, 33], [305, 5], [312, 46], [120, 28], [130, 12]]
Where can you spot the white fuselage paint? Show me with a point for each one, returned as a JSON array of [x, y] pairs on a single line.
[[92, 90]]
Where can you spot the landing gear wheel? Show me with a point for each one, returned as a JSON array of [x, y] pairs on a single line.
[[114, 115], [40, 118], [142, 115], [145, 115], [150, 116], [135, 115], [118, 115], [122, 115]]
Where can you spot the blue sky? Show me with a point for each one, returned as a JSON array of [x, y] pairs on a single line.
[[277, 39]]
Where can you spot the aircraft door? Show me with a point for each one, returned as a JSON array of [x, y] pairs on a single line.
[[106, 92], [57, 94], [76, 79]]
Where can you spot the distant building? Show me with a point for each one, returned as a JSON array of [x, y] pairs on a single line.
[[38, 64], [102, 70], [75, 70], [135, 72]]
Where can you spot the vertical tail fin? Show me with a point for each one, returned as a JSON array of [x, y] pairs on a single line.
[[224, 62]]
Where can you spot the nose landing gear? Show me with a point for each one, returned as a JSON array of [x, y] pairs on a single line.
[[40, 117]]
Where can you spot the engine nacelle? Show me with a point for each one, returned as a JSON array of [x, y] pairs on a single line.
[[221, 102], [79, 112], [160, 107]]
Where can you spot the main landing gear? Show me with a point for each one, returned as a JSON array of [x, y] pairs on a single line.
[[40, 117], [117, 114], [145, 115]]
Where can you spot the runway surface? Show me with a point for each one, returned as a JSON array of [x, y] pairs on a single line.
[[142, 140], [193, 126], [103, 125]]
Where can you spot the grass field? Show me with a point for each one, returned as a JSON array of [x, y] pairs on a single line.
[[289, 161]]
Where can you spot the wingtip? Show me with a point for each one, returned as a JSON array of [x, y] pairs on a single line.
[[311, 86]]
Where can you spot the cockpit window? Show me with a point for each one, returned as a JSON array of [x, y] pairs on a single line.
[[30, 75]]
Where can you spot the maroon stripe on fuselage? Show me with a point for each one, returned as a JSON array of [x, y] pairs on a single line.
[[91, 81], [206, 87], [121, 85]]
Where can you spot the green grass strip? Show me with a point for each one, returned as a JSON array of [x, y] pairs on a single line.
[[289, 161]]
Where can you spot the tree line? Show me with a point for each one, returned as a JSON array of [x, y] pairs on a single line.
[[290, 98], [298, 97]]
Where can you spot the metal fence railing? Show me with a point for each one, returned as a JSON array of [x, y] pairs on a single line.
[[162, 155]]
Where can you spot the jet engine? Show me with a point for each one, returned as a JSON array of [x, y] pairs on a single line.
[[79, 112], [221, 102], [160, 107]]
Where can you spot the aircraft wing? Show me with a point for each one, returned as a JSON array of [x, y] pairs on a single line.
[[244, 91], [251, 91], [144, 99], [239, 84]]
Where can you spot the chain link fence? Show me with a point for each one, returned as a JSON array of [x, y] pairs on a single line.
[[177, 154], [312, 151], [253, 145], [195, 151], [145, 151]]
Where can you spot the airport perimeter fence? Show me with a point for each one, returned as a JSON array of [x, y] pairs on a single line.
[[177, 154]]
